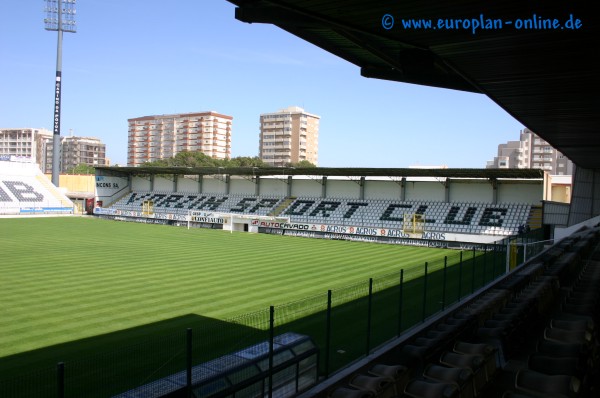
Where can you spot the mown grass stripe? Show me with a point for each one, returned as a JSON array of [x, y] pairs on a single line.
[[67, 279]]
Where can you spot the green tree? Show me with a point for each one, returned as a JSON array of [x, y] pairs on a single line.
[[199, 159], [247, 161], [82, 168], [301, 164], [193, 159]]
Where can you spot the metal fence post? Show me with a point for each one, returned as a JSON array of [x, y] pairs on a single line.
[[425, 292], [460, 276], [189, 362], [473, 272], [369, 316], [271, 344], [444, 286], [485, 254], [494, 270], [60, 379], [400, 303], [328, 334]]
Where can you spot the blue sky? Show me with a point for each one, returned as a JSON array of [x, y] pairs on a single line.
[[135, 58]]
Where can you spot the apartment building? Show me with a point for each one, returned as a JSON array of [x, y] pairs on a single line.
[[82, 150], [531, 152], [289, 136], [37, 146], [152, 138], [26, 143]]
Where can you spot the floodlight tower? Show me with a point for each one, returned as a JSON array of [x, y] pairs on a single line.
[[60, 17]]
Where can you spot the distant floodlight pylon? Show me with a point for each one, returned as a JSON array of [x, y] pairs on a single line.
[[60, 17]]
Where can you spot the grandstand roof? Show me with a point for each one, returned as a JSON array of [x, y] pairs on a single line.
[[544, 78], [328, 171]]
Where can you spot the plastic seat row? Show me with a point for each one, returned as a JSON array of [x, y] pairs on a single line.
[[562, 359], [531, 335]]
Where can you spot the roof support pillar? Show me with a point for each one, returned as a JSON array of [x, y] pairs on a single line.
[[403, 189], [324, 187], [361, 184], [257, 186], [494, 183]]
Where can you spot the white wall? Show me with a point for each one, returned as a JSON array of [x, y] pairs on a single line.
[[433, 191], [477, 191], [480, 191], [241, 186], [140, 184], [343, 189], [213, 185], [531, 193], [188, 185], [163, 184], [308, 187], [382, 189], [273, 187]]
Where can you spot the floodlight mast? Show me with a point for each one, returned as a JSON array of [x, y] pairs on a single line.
[[60, 17]]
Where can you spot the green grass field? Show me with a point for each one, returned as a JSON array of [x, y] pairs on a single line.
[[72, 288]]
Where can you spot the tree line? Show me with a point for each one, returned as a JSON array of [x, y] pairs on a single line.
[[197, 159]]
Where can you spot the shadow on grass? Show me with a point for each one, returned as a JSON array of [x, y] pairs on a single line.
[[106, 365]]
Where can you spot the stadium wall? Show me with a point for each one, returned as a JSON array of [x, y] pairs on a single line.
[[414, 190], [306, 187], [430, 189], [466, 191], [188, 185], [274, 186], [377, 189], [242, 186], [164, 185], [139, 183], [342, 189], [520, 192]]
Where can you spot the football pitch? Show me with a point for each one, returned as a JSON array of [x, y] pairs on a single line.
[[71, 287]]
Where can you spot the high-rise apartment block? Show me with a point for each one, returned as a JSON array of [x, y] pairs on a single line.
[[531, 152], [289, 136], [82, 150], [36, 145], [24, 143], [158, 137]]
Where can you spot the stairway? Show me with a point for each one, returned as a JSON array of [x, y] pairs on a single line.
[[282, 206], [59, 196], [535, 219]]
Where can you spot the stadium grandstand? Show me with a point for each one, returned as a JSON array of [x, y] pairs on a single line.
[[478, 206], [25, 190], [533, 332]]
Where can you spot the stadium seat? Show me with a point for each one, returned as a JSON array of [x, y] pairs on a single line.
[[347, 392], [462, 377], [540, 384], [398, 373], [429, 389], [380, 386]]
